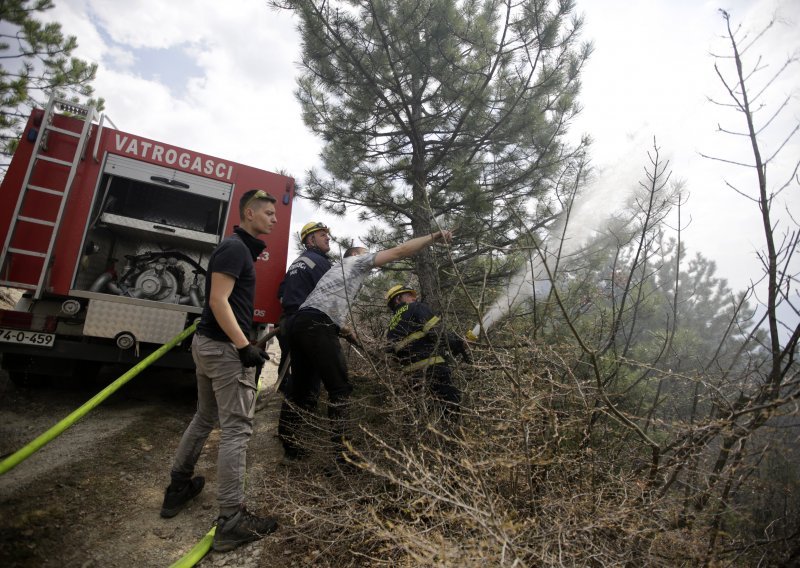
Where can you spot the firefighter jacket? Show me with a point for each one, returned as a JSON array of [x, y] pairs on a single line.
[[415, 339], [301, 278]]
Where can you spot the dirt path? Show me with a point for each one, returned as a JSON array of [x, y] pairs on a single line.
[[91, 497]]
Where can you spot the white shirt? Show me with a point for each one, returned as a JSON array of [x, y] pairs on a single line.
[[337, 289]]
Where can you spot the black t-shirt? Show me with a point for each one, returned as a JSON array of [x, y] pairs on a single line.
[[235, 256]]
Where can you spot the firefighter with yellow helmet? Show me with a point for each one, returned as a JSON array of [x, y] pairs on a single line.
[[417, 339], [301, 278]]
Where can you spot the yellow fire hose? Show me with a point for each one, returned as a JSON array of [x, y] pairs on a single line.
[[197, 553], [21, 455]]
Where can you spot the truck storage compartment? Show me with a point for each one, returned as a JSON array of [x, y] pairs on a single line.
[[149, 236]]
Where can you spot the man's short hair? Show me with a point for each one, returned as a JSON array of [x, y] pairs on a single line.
[[355, 251], [252, 195]]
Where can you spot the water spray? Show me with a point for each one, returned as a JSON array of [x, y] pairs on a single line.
[[588, 216], [532, 282]]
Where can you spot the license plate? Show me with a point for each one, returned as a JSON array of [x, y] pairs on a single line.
[[27, 337]]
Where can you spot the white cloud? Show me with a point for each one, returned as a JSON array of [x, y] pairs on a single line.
[[120, 58], [242, 105]]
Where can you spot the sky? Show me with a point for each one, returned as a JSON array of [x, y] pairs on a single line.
[[219, 78]]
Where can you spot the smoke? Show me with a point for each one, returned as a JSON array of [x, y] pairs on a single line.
[[592, 211]]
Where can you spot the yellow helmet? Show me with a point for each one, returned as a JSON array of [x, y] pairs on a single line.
[[312, 227], [395, 291]]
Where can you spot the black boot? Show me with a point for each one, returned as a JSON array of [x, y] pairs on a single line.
[[240, 528], [178, 494]]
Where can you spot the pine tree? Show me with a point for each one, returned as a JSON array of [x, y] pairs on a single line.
[[440, 113], [35, 61]]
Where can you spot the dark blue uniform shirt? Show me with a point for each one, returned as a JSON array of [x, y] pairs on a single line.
[[301, 278]]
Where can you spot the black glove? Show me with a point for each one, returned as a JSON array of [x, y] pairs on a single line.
[[252, 356]]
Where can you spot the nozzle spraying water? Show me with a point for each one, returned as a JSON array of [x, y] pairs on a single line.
[[521, 287]]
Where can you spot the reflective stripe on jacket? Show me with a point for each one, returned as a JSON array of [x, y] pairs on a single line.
[[413, 338], [427, 326], [424, 364]]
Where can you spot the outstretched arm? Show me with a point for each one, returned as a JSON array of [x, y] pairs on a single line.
[[410, 248]]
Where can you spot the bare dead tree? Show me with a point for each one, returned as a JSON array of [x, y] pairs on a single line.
[[746, 88]]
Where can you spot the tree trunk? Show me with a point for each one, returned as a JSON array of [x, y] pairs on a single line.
[[422, 217]]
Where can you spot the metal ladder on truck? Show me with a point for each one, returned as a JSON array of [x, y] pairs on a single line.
[[46, 130]]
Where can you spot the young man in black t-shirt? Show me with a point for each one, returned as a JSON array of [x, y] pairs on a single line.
[[226, 381]]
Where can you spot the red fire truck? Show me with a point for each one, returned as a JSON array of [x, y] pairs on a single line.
[[109, 234]]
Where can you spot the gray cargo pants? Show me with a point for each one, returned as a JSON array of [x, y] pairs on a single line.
[[227, 391]]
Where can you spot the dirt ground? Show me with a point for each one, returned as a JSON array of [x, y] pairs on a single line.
[[91, 497]]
